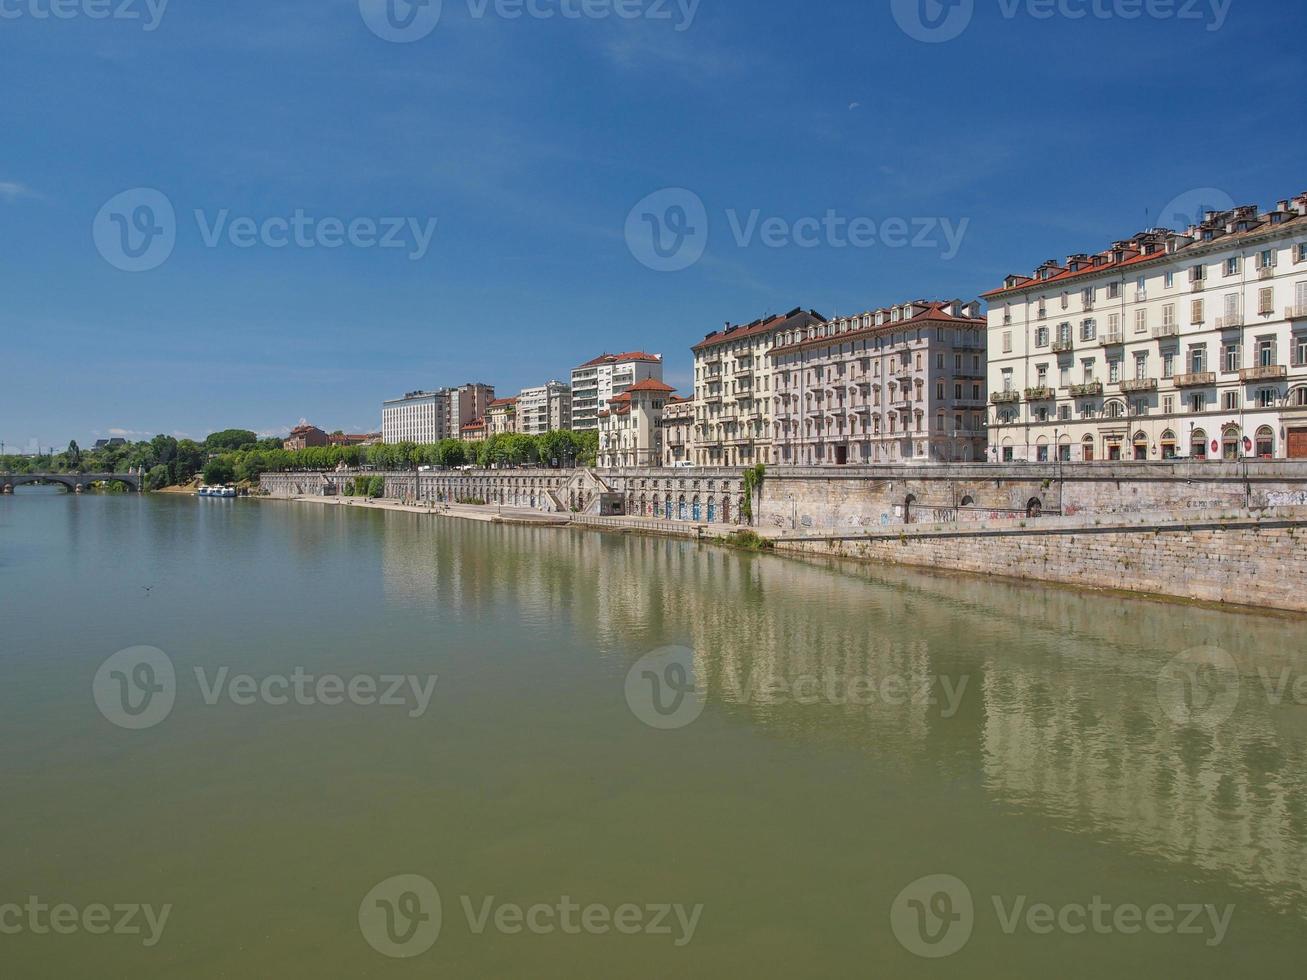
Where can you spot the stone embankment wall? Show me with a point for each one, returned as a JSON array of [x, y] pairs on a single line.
[[884, 496], [1249, 559]]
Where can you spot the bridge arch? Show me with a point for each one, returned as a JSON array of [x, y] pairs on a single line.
[[74, 482]]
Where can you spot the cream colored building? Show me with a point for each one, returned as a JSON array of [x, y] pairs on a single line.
[[545, 408], [1168, 344], [501, 417], [631, 429], [597, 382], [420, 416], [678, 431], [901, 384], [733, 389]]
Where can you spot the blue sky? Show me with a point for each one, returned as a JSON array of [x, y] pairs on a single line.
[[529, 141]]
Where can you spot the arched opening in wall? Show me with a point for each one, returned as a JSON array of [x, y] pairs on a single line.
[[644, 506], [908, 503], [1064, 449], [657, 506], [1265, 443], [1140, 444], [696, 508], [1298, 397], [1041, 449], [681, 509], [1230, 442], [1034, 507], [726, 508], [967, 501], [1087, 449], [1198, 444], [1169, 450], [1112, 449]]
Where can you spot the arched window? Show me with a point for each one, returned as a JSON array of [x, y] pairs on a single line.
[[1198, 444], [1087, 449], [968, 501], [1266, 442], [1034, 507], [1168, 444], [1230, 442], [1140, 443]]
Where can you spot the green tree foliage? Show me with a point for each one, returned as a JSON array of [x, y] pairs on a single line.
[[231, 439], [219, 471], [376, 487]]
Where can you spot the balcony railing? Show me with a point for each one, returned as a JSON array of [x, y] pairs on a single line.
[[1195, 379], [1087, 390], [1139, 384], [1062, 346], [1264, 372], [1111, 339], [1038, 394], [1230, 321], [1166, 330], [1197, 285], [1005, 397], [1266, 272], [1298, 312], [967, 433]]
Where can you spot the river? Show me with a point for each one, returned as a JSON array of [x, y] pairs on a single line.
[[307, 741]]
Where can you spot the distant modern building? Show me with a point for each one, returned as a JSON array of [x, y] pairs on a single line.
[[303, 436], [1170, 344], [546, 408], [501, 417], [733, 389], [631, 427], [354, 439], [597, 382], [678, 431], [420, 416], [900, 384], [468, 403]]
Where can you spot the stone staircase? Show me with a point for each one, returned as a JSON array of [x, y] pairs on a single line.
[[582, 493]]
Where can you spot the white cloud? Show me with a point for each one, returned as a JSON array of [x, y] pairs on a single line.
[[11, 190]]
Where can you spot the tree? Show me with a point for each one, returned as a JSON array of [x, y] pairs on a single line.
[[157, 478], [74, 455], [218, 471], [230, 439], [376, 487]]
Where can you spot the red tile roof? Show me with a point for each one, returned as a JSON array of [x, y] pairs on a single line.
[[650, 384], [936, 312], [501, 402], [622, 358]]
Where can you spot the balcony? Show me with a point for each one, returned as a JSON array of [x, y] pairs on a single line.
[[1111, 339], [1063, 346], [1195, 379], [1039, 394], [1166, 330], [1298, 312], [1197, 285], [967, 433], [1041, 313], [1264, 372], [1231, 321], [1088, 390], [1005, 397], [1266, 272], [1138, 385]]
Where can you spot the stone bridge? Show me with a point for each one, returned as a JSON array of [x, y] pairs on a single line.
[[75, 482]]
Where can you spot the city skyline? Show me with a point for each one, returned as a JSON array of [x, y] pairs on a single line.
[[528, 247]]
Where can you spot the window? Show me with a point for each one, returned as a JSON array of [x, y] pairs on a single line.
[[1197, 403], [1230, 401], [1007, 344], [1265, 301], [1041, 375], [1168, 404], [1265, 397], [1065, 377], [1197, 311], [1089, 330], [1141, 366], [1041, 336], [1087, 369], [1007, 379], [1169, 279], [1198, 273], [1141, 321], [1114, 325], [1087, 296], [1232, 266], [1168, 364], [1266, 259], [1198, 359], [1066, 300], [1168, 315], [1113, 290], [939, 390], [1064, 413], [1300, 253], [1266, 353], [1300, 351], [939, 362], [1113, 371], [1231, 358]]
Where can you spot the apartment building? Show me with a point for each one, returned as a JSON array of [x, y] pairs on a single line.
[[468, 403], [678, 431], [733, 389], [631, 427], [1170, 344], [900, 384], [597, 382], [303, 436], [501, 417], [546, 408], [420, 416]]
